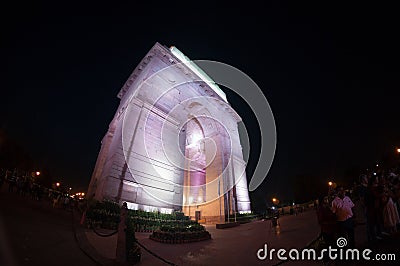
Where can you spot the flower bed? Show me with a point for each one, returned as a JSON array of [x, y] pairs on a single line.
[[180, 234], [166, 228], [143, 224], [106, 214]]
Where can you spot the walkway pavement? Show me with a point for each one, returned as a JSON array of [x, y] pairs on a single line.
[[239, 245], [34, 233], [232, 246]]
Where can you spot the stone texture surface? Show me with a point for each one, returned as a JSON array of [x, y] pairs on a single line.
[[166, 114]]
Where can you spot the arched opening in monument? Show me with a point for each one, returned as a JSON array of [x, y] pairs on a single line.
[[206, 152], [195, 163]]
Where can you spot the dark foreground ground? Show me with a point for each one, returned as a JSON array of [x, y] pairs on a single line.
[[35, 233]]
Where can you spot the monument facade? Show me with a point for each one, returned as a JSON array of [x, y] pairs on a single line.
[[173, 143]]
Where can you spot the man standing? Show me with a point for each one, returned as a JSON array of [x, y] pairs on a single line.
[[341, 207]]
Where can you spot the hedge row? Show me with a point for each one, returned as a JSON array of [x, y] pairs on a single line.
[[106, 214], [180, 237]]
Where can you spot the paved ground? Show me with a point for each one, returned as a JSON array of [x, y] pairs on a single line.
[[233, 246], [33, 233], [238, 246]]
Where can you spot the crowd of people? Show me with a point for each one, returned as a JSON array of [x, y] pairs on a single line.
[[373, 201], [23, 184], [380, 195]]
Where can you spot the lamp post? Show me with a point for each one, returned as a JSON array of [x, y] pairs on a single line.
[[275, 201], [35, 174], [397, 160], [275, 213], [331, 187]]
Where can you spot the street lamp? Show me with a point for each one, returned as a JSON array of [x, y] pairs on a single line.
[[331, 188], [57, 184], [275, 201], [37, 173], [398, 150]]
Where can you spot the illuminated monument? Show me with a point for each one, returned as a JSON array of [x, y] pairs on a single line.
[[173, 143]]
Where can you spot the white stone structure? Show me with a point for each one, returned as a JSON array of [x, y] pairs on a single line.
[[173, 143]]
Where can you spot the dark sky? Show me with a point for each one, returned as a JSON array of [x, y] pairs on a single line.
[[329, 72]]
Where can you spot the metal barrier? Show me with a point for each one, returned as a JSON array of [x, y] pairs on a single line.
[[155, 255], [100, 234]]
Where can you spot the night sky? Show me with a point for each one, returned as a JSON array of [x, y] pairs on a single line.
[[329, 72]]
